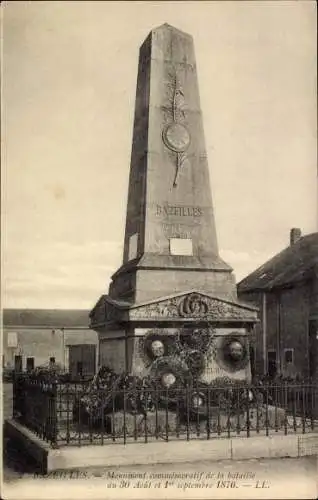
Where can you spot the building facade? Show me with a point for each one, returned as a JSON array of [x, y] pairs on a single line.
[[285, 289], [36, 337]]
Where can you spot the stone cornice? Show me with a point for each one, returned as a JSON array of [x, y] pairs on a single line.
[[183, 307]]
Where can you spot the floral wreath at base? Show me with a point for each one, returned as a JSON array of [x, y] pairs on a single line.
[[191, 398], [170, 365], [169, 377], [193, 345], [195, 361], [199, 339], [223, 357], [145, 346]]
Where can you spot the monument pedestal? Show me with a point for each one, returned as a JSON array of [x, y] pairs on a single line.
[[170, 336]]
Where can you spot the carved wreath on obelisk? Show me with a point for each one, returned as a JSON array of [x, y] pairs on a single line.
[[175, 135]]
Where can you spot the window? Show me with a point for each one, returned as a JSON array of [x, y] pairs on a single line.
[[289, 356], [52, 360], [12, 339], [181, 246], [30, 364]]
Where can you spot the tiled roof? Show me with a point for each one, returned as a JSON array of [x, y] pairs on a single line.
[[58, 318], [296, 263]]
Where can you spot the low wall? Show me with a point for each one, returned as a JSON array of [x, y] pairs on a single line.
[[174, 451]]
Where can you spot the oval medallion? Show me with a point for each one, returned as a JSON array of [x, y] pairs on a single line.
[[176, 137]]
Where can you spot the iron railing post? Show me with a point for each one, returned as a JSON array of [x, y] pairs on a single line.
[[146, 417], [218, 416], [112, 419], [275, 402], [312, 406], [53, 415], [294, 409], [208, 427], [156, 411], [303, 410], [247, 413], [187, 412], [178, 413], [79, 413], [285, 407], [125, 409]]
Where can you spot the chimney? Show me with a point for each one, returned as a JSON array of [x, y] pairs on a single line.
[[295, 235]]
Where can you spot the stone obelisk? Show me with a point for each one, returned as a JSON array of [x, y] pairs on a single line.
[[170, 239], [172, 305]]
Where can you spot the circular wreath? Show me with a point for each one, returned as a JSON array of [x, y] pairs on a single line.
[[171, 366], [169, 376], [198, 405], [199, 339], [232, 353], [195, 362], [148, 349]]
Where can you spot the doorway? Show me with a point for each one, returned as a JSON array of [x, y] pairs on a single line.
[[252, 360], [271, 363], [18, 364], [82, 360], [30, 364]]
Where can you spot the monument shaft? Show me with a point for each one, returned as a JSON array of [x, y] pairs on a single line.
[[170, 237]]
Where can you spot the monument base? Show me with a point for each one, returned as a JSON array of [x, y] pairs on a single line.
[[207, 336]]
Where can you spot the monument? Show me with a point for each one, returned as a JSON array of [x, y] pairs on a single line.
[[173, 336], [172, 305]]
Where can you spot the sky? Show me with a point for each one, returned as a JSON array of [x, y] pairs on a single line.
[[69, 73]]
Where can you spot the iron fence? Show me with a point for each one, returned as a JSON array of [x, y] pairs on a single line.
[[73, 414]]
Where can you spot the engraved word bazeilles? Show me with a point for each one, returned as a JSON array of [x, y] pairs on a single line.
[[179, 211]]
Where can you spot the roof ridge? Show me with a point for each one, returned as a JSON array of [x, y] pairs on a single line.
[[291, 264]]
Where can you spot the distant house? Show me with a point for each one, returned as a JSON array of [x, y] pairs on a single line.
[[35, 337], [286, 291]]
